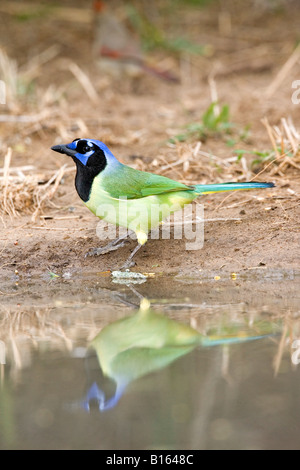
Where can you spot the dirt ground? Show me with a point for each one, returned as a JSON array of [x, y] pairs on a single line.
[[135, 117]]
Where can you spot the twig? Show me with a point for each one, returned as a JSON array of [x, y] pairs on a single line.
[[289, 135], [31, 69], [60, 218], [7, 160], [84, 81], [25, 118], [169, 165], [50, 228], [215, 158], [17, 169], [278, 357], [199, 221], [265, 122], [284, 71]]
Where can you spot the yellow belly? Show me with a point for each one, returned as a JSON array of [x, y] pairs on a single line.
[[140, 215]]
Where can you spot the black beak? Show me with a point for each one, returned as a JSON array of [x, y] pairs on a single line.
[[64, 149]]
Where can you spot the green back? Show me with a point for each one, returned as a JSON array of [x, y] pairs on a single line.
[[134, 184]]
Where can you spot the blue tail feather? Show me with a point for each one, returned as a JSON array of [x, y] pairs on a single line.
[[215, 188]]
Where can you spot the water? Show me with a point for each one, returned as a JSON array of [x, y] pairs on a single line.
[[209, 365]]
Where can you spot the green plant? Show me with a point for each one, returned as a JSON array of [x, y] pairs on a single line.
[[153, 37], [259, 156], [214, 122]]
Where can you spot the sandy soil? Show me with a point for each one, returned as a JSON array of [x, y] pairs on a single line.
[[136, 118]]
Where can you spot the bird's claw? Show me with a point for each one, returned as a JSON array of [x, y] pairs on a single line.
[[129, 264], [93, 252], [114, 245]]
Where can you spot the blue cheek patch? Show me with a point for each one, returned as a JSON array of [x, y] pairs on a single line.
[[84, 158]]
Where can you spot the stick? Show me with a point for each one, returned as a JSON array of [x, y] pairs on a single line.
[[289, 135], [84, 81], [16, 169], [25, 118], [282, 74], [7, 160], [270, 133], [50, 228]]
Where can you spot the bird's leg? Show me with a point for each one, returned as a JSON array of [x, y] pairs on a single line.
[[112, 246], [129, 263]]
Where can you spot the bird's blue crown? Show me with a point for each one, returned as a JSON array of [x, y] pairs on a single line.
[[85, 148]]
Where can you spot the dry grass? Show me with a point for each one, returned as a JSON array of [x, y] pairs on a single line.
[[25, 329], [285, 141], [26, 193]]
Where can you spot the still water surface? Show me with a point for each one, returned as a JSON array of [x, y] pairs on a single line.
[[88, 364]]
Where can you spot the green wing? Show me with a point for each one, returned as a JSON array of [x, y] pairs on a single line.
[[134, 184]]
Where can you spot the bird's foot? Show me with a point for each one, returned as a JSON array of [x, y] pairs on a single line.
[[129, 263], [112, 246]]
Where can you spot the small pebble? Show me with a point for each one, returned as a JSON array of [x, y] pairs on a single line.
[[128, 275]]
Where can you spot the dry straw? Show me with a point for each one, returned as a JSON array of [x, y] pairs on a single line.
[[23, 192], [286, 145]]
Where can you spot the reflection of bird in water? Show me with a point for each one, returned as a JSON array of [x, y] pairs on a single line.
[[118, 49], [135, 346]]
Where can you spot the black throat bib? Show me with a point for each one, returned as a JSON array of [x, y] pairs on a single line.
[[86, 174]]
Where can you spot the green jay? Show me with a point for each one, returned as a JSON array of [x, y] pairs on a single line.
[[130, 197]]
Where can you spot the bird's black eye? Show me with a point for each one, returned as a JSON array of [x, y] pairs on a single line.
[[83, 147]]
